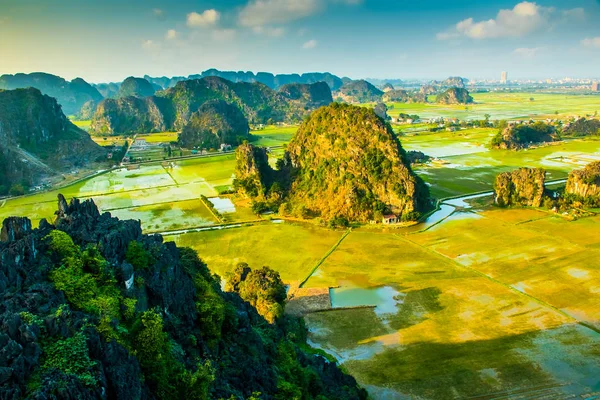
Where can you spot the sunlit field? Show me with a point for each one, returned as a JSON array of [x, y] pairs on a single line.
[[505, 106], [488, 303]]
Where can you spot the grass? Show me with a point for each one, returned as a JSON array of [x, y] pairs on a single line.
[[273, 135], [505, 106], [290, 249], [159, 137]]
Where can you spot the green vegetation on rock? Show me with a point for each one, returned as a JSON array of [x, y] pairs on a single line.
[[215, 123], [520, 136], [137, 87], [344, 163], [454, 95], [522, 187]]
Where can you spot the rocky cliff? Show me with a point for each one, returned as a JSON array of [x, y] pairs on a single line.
[[584, 184], [310, 96], [521, 136], [454, 96], [258, 102], [129, 115], [215, 123], [70, 95], [522, 187], [136, 87], [37, 141], [93, 309], [344, 162], [358, 92]]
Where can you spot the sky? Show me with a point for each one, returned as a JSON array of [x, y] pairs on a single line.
[[103, 41]]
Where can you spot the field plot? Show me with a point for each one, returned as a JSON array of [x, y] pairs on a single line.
[[447, 144], [455, 332], [476, 171], [273, 135], [505, 106], [142, 194], [293, 250]]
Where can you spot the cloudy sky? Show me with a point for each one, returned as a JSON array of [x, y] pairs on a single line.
[[111, 39]]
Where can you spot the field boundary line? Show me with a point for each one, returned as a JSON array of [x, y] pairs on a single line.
[[322, 260], [506, 285]]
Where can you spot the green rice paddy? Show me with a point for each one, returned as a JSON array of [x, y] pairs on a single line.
[[489, 304]]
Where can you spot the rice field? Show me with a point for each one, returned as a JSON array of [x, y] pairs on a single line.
[[505, 106], [488, 304]]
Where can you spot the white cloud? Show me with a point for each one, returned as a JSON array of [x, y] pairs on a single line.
[[311, 44], [268, 12], [224, 35], [149, 44], [525, 18], [171, 34], [591, 42], [207, 18], [527, 52], [269, 31]]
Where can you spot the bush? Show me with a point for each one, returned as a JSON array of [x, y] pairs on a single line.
[[72, 357], [138, 256]]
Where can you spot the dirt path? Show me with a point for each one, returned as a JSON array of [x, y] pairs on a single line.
[[322, 260]]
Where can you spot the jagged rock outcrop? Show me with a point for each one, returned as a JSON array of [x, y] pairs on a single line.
[[70, 95], [454, 96], [454, 81], [358, 92], [173, 334], [310, 96], [584, 184], [344, 162], [215, 123], [253, 174], [130, 115], [388, 87], [521, 136], [87, 110], [582, 127], [37, 141], [171, 109], [521, 187], [427, 90], [403, 96], [136, 87]]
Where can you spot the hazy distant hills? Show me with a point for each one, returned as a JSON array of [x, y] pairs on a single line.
[[70, 95], [266, 78]]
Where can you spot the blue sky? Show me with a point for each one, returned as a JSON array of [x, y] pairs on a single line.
[[110, 40]]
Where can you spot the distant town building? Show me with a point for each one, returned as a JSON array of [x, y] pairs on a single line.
[[504, 78], [595, 87]]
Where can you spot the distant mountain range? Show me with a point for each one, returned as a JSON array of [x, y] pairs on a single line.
[[267, 78]]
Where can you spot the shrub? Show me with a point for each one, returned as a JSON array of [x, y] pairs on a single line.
[[72, 357]]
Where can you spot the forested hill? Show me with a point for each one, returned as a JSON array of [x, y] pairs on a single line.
[[172, 108], [70, 95], [345, 164], [93, 309], [38, 141]]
